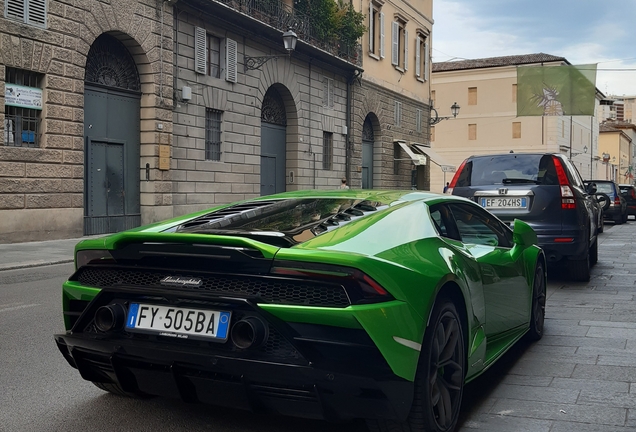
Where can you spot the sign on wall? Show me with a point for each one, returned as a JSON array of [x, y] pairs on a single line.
[[22, 96]]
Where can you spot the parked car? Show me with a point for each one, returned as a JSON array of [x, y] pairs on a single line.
[[617, 210], [323, 304], [546, 191], [629, 193]]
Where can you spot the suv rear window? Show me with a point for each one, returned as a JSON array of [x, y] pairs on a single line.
[[606, 188], [517, 168]]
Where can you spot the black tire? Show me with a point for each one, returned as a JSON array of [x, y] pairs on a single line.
[[117, 390], [604, 200], [594, 253], [537, 316], [439, 381], [625, 217], [580, 268]]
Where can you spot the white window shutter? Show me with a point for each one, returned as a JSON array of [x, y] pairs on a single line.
[[427, 58], [200, 50], [36, 12], [231, 60], [418, 120], [371, 33], [406, 49], [15, 9], [395, 43], [418, 58], [381, 35]]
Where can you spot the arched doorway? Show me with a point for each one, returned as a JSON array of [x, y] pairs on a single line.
[[112, 93], [273, 143], [367, 153]]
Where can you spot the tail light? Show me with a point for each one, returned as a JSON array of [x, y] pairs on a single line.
[[453, 182], [360, 287], [617, 201], [568, 201]]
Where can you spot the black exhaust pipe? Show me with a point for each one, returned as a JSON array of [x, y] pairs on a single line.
[[110, 318], [250, 332]]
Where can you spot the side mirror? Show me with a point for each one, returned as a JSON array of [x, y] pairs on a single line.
[[523, 234], [591, 188]]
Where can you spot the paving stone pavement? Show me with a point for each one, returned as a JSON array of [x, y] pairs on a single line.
[[581, 376]]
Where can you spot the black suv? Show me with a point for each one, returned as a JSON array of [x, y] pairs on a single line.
[[544, 190], [617, 209]]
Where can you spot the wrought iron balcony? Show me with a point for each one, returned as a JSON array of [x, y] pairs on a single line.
[[281, 16]]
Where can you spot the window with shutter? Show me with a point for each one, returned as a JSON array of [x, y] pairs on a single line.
[[231, 60], [381, 35], [32, 12], [418, 56], [472, 95], [406, 49], [397, 116], [395, 43], [36, 13], [427, 59], [372, 14], [200, 50]]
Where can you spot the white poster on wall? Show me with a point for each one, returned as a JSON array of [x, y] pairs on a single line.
[[22, 96]]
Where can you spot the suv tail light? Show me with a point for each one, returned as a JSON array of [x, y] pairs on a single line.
[[617, 201], [567, 196], [453, 182]]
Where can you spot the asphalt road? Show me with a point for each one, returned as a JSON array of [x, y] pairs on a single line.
[[39, 391]]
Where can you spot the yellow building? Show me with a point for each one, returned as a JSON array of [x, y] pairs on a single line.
[[486, 90], [616, 148], [391, 99]]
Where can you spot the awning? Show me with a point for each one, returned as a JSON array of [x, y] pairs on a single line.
[[416, 156], [434, 157]]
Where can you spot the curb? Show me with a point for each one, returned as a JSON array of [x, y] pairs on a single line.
[[34, 264]]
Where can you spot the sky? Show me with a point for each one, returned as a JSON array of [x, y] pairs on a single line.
[[582, 31]]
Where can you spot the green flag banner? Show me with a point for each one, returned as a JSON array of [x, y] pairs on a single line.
[[556, 90]]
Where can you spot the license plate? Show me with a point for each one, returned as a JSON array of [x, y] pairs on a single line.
[[178, 322], [504, 203]]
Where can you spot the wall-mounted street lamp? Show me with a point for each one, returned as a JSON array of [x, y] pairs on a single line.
[[289, 40], [576, 154], [454, 111]]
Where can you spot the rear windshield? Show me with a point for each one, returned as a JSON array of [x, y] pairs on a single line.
[[606, 188], [492, 170]]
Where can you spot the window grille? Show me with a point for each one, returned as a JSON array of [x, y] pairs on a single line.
[[327, 150], [213, 134], [21, 125]]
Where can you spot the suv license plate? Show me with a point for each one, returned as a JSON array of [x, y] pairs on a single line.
[[178, 322], [505, 203]]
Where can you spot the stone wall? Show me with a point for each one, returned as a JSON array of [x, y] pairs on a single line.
[[199, 183], [47, 182]]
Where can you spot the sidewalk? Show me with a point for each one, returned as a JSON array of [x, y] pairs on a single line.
[[34, 254]]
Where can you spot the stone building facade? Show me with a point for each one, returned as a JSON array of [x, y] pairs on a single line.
[[150, 109], [54, 180], [242, 132]]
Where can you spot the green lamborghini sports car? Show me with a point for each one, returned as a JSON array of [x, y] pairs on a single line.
[[336, 305]]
